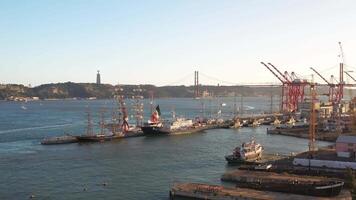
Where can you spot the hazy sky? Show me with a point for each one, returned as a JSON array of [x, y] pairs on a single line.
[[163, 42]]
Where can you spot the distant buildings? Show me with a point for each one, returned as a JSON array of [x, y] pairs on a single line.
[[98, 81], [346, 146]]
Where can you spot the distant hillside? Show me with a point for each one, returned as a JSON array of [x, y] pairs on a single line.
[[103, 91]]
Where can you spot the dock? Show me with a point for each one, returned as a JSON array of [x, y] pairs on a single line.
[[215, 192], [284, 182], [303, 133]]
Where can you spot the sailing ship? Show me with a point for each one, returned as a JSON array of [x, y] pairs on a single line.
[[248, 152], [90, 136]]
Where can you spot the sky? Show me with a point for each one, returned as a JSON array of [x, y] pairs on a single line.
[[163, 42]]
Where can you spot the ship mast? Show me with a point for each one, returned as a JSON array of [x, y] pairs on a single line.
[[102, 122], [138, 106], [123, 117], [151, 100], [90, 125]]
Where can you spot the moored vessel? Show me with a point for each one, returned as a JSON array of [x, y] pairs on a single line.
[[248, 152], [289, 183], [65, 139]]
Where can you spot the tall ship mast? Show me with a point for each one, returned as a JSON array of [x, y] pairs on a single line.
[[89, 131], [138, 106], [123, 116]]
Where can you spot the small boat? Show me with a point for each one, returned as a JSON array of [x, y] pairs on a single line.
[[255, 123], [59, 140], [291, 122], [248, 153], [237, 124], [245, 123], [276, 123], [267, 121]]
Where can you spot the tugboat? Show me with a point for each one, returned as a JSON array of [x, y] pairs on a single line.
[[248, 153]]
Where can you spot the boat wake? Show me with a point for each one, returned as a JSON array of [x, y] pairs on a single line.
[[34, 128], [249, 107]]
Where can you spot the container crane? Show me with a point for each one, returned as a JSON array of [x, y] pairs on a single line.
[[349, 75], [295, 87], [292, 88], [283, 81], [332, 97]]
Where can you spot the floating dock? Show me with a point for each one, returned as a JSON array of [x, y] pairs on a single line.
[[215, 192]]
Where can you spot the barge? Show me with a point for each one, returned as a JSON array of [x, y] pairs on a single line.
[[309, 185], [65, 139], [215, 192]]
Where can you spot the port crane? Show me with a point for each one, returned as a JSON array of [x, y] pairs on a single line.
[[292, 88], [312, 120], [333, 97], [349, 75]]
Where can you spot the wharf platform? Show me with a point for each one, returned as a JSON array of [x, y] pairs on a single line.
[[284, 182], [215, 192], [303, 133]]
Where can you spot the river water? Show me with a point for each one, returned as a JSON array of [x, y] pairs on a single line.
[[133, 168]]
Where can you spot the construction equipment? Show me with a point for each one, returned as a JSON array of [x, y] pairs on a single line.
[[333, 97], [313, 120]]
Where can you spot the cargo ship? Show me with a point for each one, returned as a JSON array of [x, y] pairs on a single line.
[[176, 126]]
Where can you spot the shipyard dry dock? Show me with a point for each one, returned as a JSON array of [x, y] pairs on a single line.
[[213, 192]]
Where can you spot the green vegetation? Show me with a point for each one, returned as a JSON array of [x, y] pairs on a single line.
[[102, 91]]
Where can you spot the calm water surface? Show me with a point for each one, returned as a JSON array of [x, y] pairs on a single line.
[[135, 168]]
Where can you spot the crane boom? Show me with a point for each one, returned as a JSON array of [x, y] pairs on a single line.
[[321, 76], [280, 73], [279, 78], [347, 73]]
